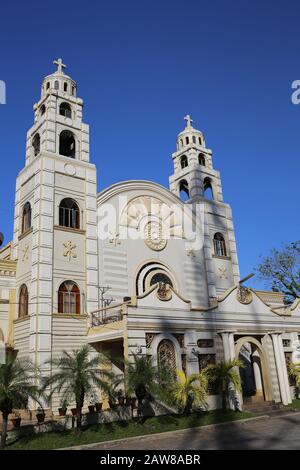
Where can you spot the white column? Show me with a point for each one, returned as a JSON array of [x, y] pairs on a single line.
[[257, 373], [284, 369], [279, 367], [229, 355]]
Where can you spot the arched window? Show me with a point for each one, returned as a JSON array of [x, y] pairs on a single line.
[[69, 215], [161, 277], [73, 90], [48, 86], [23, 301], [65, 110], [42, 109], [151, 274], [200, 141], [26, 217], [219, 245], [201, 159], [184, 190], [187, 140], [36, 144], [67, 144], [65, 86], [181, 143], [69, 298], [166, 354], [208, 191], [184, 161], [56, 85], [194, 139]]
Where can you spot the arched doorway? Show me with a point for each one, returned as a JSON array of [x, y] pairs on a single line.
[[256, 383]]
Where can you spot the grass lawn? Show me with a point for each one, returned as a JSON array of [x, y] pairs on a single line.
[[295, 404], [118, 430]]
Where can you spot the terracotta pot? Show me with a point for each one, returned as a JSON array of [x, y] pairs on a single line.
[[91, 408], [133, 402], [74, 411], [98, 407], [40, 417], [62, 411], [16, 422]]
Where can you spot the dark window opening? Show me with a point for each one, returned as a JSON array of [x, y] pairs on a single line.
[[208, 191], [187, 140], [48, 85], [36, 144], [201, 159], [219, 245], [184, 161], [184, 190], [205, 343], [26, 218], [65, 86], [161, 277], [56, 85], [42, 109], [67, 144], [194, 139], [200, 141], [69, 215], [65, 110]]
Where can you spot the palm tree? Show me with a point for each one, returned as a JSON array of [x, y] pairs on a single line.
[[17, 385], [224, 374], [194, 385], [294, 373], [77, 376], [144, 378]]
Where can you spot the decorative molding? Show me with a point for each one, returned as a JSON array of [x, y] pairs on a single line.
[[114, 238], [69, 247], [164, 292], [25, 255], [244, 295], [154, 237], [23, 235], [68, 229], [223, 273]]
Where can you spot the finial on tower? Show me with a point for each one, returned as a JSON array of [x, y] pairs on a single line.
[[188, 120], [60, 65]]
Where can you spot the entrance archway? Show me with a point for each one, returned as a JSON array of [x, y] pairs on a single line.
[[256, 383]]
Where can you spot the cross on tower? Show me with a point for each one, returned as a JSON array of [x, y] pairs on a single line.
[[60, 65], [188, 120]]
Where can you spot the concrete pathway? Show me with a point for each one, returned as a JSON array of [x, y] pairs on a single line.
[[280, 430]]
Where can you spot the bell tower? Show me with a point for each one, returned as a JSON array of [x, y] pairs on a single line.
[[55, 226], [196, 181], [194, 174]]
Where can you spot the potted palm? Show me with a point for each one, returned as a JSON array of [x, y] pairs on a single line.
[[16, 420], [189, 390], [63, 408], [17, 378], [40, 415], [225, 378], [78, 374]]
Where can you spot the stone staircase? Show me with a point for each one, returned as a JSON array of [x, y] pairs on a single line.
[[261, 406]]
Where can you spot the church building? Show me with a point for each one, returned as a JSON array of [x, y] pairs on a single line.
[[136, 268]]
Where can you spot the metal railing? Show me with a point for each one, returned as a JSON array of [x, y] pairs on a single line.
[[106, 316]]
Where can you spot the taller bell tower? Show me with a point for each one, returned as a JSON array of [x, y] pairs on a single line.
[[55, 226]]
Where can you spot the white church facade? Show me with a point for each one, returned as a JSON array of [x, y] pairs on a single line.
[[136, 268]]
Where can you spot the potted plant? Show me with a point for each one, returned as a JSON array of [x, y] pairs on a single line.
[[63, 408], [121, 398], [40, 415], [91, 406], [16, 420]]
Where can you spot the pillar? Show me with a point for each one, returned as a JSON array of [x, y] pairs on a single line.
[[281, 369]]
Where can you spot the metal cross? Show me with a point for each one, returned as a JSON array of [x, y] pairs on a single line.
[[60, 65], [188, 120]]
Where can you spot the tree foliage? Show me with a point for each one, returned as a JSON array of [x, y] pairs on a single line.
[[222, 375], [281, 270], [184, 386]]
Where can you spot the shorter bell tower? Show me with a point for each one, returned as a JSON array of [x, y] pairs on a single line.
[[194, 175]]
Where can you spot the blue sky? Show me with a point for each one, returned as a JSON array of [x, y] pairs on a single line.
[[140, 67]]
